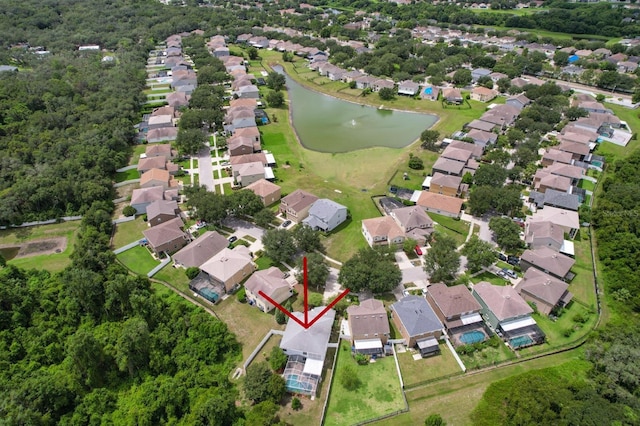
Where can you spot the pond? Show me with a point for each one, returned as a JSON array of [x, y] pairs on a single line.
[[327, 124]]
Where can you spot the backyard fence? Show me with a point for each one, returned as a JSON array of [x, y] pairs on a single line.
[[258, 348], [333, 373], [160, 266], [124, 169], [44, 222], [123, 219], [126, 182], [127, 247]]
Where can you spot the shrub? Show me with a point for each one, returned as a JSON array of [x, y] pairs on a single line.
[[568, 332], [129, 211], [579, 318], [281, 318], [241, 295], [296, 404], [362, 359], [192, 272], [277, 359]]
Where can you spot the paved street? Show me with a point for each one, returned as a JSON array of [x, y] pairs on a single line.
[[205, 169]]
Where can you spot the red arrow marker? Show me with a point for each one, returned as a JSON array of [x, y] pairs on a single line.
[[306, 324]]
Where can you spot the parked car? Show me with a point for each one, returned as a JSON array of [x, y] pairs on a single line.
[[286, 223], [501, 256], [201, 224], [418, 250], [501, 274], [233, 239], [513, 260], [510, 272]]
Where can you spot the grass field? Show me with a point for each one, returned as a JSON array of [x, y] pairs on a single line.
[[135, 154], [487, 356], [138, 259], [378, 394], [127, 175], [128, 232], [582, 286], [432, 368], [489, 277], [54, 262], [455, 398], [252, 327]]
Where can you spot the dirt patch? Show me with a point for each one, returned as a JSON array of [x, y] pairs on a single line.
[[37, 247]]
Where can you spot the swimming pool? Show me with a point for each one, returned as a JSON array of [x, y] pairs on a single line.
[[471, 337], [295, 385], [520, 341]]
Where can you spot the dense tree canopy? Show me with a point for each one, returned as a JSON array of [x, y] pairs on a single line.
[[442, 260], [370, 269]]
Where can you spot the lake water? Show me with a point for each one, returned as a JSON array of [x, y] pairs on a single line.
[[327, 124]]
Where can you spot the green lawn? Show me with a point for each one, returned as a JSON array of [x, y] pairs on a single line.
[[127, 175], [582, 286], [174, 276], [128, 232], [138, 259], [247, 322], [425, 369], [489, 277], [587, 185], [135, 154], [379, 392], [487, 356], [51, 262], [456, 225], [455, 398], [457, 237]]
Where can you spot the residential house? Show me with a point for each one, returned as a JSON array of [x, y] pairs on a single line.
[[415, 223], [256, 157], [163, 134], [549, 261], [552, 156], [146, 164], [160, 150], [177, 99], [200, 250], [142, 197], [307, 349], [247, 92], [578, 151], [572, 172], [627, 66], [161, 211], [447, 166], [484, 125], [455, 307], [229, 267], [501, 116], [451, 152], [430, 93], [544, 180], [482, 138], [518, 101], [250, 132], [482, 94], [568, 220], [325, 215], [240, 145], [544, 234], [365, 82], [157, 177], [445, 184], [167, 237], [452, 96], [247, 173], [475, 150], [240, 117], [382, 84], [506, 312], [479, 72], [408, 87], [160, 121], [368, 326], [270, 282], [382, 231], [350, 76], [418, 324], [268, 192], [592, 106], [296, 205], [554, 198], [546, 292], [440, 204]]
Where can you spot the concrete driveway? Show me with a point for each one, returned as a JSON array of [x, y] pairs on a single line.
[[485, 233], [242, 228]]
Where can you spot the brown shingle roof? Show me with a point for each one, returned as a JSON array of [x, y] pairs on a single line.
[[200, 250], [165, 232], [503, 301], [154, 174], [383, 227], [370, 317], [263, 187], [435, 201], [453, 301], [542, 286], [547, 259], [298, 200]]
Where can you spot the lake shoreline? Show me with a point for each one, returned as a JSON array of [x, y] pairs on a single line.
[[277, 67]]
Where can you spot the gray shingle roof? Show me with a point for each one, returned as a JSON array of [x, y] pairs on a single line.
[[313, 340], [416, 315]]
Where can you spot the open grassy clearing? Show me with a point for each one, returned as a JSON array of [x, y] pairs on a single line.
[[53, 262], [587, 185], [247, 322], [138, 259], [582, 286], [128, 232], [457, 237], [415, 372], [135, 154], [517, 12], [416, 177], [456, 397], [174, 276], [127, 175], [378, 394], [487, 356], [456, 225]]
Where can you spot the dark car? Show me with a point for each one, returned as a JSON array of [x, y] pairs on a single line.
[[233, 239], [513, 260], [501, 257], [286, 223]]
